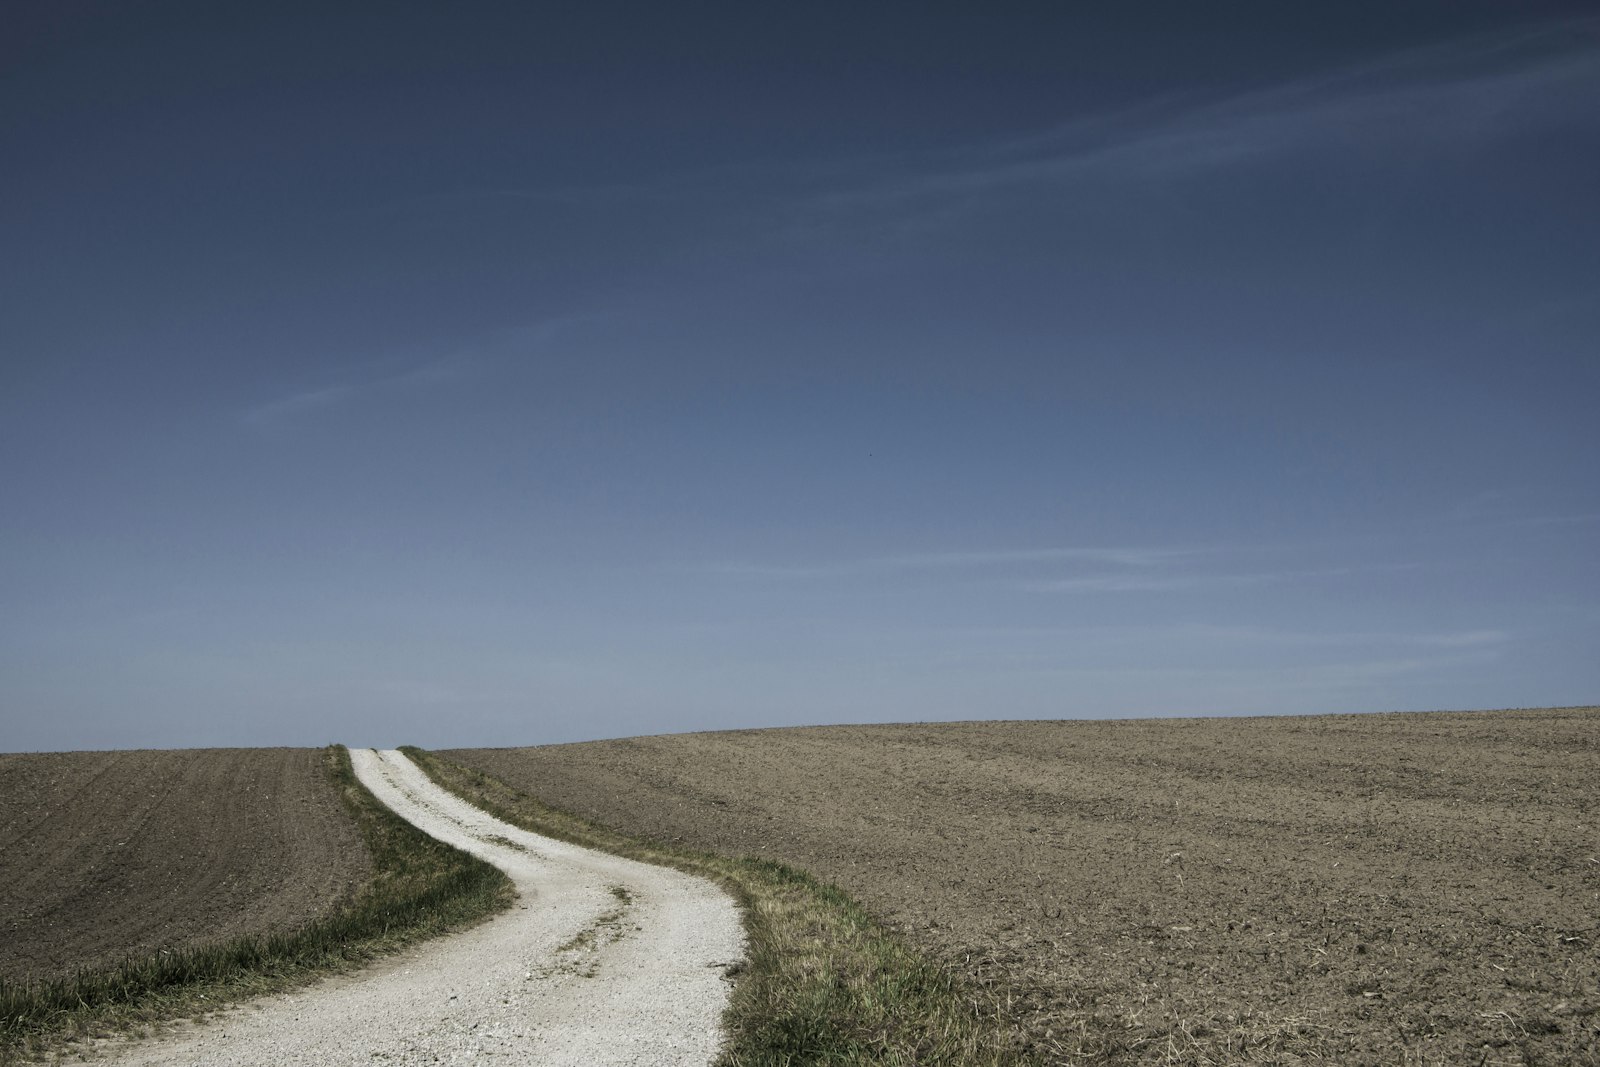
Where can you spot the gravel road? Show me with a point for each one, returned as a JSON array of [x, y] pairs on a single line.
[[602, 960]]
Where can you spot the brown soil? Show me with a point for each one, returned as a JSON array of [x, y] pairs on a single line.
[[1382, 889], [106, 854]]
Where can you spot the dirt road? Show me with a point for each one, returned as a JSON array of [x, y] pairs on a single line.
[[602, 961]]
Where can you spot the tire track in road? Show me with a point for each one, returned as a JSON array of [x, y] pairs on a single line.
[[602, 961]]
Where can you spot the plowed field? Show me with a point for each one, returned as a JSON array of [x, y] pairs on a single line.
[[105, 854], [1380, 889]]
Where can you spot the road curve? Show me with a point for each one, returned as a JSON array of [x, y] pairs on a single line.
[[601, 961]]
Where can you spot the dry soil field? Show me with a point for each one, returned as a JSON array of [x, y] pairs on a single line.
[[103, 854], [1381, 889]]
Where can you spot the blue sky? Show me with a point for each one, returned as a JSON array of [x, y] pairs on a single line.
[[394, 374]]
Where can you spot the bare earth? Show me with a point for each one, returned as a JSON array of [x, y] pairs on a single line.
[[603, 961], [1376, 889], [105, 854]]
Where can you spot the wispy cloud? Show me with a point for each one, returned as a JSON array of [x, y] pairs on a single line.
[[1175, 582], [301, 404], [1470, 89], [1124, 556], [1139, 583], [1092, 569], [296, 404], [1264, 635], [1427, 102], [394, 376], [1215, 659]]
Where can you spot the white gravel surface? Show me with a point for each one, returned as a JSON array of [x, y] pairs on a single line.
[[578, 972]]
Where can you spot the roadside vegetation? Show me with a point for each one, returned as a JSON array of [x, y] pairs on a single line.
[[419, 888], [824, 983]]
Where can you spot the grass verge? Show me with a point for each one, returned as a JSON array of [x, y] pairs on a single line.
[[824, 983], [420, 887]]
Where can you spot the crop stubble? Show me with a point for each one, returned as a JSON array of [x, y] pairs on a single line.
[[104, 855], [1418, 888]]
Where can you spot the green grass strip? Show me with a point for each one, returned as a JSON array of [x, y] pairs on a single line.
[[824, 984], [419, 888]]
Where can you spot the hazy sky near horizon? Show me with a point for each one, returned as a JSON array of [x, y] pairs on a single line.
[[502, 374]]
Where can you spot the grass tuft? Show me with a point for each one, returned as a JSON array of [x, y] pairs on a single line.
[[824, 984], [419, 888]]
